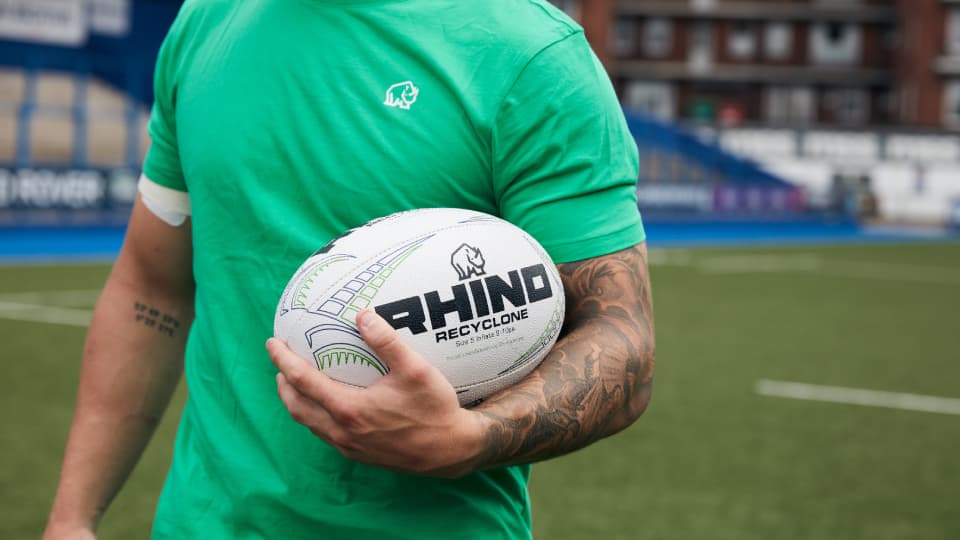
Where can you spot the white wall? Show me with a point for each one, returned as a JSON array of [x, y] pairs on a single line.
[[907, 192], [915, 177], [814, 176]]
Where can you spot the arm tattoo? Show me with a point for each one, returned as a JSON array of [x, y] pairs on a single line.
[[597, 379], [153, 318]]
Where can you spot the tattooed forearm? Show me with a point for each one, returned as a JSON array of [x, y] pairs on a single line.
[[153, 318], [598, 378]]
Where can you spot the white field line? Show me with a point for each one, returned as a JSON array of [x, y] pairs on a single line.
[[669, 257], [64, 297], [44, 314], [858, 396], [24, 310], [748, 264]]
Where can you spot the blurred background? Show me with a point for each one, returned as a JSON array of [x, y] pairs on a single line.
[[800, 183], [853, 103], [741, 109]]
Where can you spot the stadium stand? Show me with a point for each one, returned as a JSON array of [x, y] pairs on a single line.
[[75, 87], [911, 177], [923, 148], [683, 174]]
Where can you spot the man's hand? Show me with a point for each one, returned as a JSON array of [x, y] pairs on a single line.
[[408, 420]]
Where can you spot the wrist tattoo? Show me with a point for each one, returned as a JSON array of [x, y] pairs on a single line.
[[154, 318]]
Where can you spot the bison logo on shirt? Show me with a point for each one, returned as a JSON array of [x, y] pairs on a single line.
[[402, 95], [467, 261]]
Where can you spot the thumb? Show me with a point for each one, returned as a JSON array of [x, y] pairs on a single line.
[[386, 342]]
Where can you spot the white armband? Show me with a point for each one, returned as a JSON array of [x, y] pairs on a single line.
[[168, 204]]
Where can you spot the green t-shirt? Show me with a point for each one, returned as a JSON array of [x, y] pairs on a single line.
[[289, 121]]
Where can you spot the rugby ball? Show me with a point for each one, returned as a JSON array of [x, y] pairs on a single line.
[[475, 295]]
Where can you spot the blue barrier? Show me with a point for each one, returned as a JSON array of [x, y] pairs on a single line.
[[704, 178], [673, 139]]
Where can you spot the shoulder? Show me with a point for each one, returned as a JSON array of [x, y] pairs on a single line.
[[514, 30], [495, 42], [523, 28], [196, 15], [532, 23], [195, 21], [194, 9]]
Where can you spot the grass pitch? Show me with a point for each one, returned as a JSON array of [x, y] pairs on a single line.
[[711, 458]]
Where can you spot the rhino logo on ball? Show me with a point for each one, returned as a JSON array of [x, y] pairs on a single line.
[[467, 261]]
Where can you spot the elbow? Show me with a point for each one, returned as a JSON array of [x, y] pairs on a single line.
[[638, 402], [632, 409], [643, 384], [639, 393]]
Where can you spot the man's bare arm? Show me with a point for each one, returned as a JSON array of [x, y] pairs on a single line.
[[598, 378], [132, 361]]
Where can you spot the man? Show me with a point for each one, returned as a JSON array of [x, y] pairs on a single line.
[[279, 124]]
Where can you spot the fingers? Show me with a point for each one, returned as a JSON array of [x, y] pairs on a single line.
[[306, 411], [387, 343], [408, 420], [313, 399], [306, 379]]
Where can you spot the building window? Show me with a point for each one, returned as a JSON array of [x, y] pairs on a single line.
[[951, 104], [887, 101], [651, 98], [657, 37], [891, 38], [778, 40], [953, 31], [907, 101], [570, 7], [789, 105], [701, 47], [835, 43], [742, 41], [850, 106], [623, 39]]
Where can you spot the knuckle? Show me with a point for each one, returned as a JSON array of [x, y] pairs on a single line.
[[420, 373], [339, 440], [297, 376], [346, 445], [298, 413], [334, 408], [385, 340], [351, 419]]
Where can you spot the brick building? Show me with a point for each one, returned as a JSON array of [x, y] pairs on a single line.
[[794, 63]]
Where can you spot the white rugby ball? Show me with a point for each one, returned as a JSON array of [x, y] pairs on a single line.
[[475, 295]]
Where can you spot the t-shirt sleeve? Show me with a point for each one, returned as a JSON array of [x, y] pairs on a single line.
[[162, 162], [564, 163]]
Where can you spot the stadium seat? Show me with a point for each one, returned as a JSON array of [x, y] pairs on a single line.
[[924, 148]]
